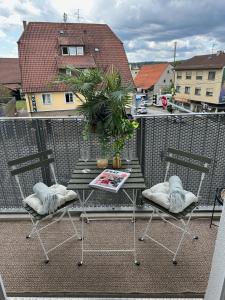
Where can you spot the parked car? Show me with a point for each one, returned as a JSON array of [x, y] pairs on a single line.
[[142, 110], [145, 103]]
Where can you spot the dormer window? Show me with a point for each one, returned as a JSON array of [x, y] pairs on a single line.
[[65, 51], [72, 50]]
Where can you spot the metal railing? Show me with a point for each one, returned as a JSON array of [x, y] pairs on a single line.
[[198, 133]]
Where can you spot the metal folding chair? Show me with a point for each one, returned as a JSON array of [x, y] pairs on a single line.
[[188, 160], [44, 158], [2, 290]]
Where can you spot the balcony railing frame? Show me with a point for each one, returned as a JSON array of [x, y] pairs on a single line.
[[194, 132]]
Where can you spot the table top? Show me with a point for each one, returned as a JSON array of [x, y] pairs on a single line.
[[80, 180]]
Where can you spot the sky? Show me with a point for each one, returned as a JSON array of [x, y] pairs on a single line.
[[148, 28]]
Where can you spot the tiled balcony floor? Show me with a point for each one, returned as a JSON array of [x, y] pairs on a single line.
[[25, 274]]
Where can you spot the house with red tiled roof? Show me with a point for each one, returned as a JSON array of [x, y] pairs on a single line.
[[152, 79], [46, 49], [10, 74]]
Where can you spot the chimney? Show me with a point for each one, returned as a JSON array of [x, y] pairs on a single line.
[[24, 24]]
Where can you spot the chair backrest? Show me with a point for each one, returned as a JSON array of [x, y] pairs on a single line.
[[2, 290], [195, 162], [44, 158]]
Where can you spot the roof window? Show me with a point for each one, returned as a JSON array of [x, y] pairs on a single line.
[[72, 50]]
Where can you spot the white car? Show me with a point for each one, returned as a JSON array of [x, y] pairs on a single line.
[[142, 110]]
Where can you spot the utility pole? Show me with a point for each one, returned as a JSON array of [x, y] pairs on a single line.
[[174, 53], [174, 63]]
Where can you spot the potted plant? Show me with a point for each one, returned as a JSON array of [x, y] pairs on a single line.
[[103, 104]]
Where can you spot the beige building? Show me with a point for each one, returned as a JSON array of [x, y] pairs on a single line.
[[134, 70], [200, 83]]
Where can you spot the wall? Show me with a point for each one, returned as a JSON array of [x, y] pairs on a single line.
[[8, 107], [58, 102], [217, 274], [203, 84], [165, 76]]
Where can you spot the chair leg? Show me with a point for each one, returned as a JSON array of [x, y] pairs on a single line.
[[181, 239], [214, 204], [74, 226], [42, 245], [32, 231], [147, 227]]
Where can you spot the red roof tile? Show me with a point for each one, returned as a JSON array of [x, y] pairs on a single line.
[[70, 40], [10, 71], [81, 61], [149, 75], [39, 52]]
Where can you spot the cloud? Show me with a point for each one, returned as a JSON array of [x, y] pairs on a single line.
[[150, 25], [148, 28]]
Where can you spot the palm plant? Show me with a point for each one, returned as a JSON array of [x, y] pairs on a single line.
[[103, 105]]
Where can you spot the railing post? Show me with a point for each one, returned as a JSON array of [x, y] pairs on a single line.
[[41, 146], [140, 145]]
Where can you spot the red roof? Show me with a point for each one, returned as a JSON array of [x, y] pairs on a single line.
[[10, 72], [80, 61], [149, 75], [40, 54]]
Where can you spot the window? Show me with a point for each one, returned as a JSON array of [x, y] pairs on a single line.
[[178, 89], [209, 92], [199, 75], [68, 72], [168, 71], [179, 75], [65, 51], [80, 50], [211, 75], [46, 99], [72, 50], [188, 75], [187, 90], [69, 97], [164, 80], [198, 91]]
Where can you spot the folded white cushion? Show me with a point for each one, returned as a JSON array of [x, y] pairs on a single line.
[[177, 196], [63, 196], [159, 194]]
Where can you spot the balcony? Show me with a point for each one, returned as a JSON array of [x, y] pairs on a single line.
[[22, 267]]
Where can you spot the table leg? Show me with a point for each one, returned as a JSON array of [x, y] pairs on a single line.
[[134, 221], [80, 263], [133, 200]]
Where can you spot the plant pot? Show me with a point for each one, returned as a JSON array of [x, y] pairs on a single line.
[[102, 163], [116, 163]]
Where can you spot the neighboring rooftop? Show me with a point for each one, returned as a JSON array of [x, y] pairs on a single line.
[[201, 62], [40, 52], [149, 75], [10, 73]]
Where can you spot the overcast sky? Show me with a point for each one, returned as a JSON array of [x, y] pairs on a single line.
[[148, 28]]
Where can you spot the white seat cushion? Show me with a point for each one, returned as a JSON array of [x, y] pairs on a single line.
[[159, 194], [63, 196]]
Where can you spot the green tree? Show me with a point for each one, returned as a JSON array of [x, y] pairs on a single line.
[[104, 105]]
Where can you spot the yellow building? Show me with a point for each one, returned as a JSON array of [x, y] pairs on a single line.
[[199, 82], [47, 102], [47, 49]]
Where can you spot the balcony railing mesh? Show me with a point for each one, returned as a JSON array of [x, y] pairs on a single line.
[[198, 133]]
